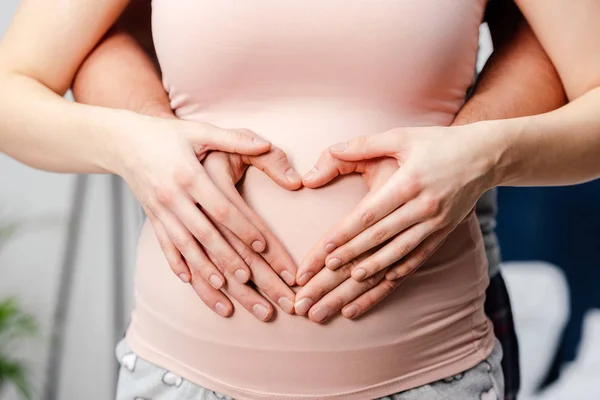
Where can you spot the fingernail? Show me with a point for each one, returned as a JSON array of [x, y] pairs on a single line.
[[221, 309], [310, 175], [185, 278], [287, 277], [350, 312], [215, 281], [305, 278], [329, 248], [320, 314], [333, 263], [286, 304], [241, 275], [258, 246], [260, 311], [338, 148], [391, 276], [359, 274], [292, 175], [303, 306]]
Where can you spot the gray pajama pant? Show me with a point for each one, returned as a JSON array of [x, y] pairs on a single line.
[[141, 380]]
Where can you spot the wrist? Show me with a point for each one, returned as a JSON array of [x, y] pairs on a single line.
[[504, 149], [117, 141]]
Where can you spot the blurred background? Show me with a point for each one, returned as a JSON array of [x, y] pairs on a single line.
[[67, 253]]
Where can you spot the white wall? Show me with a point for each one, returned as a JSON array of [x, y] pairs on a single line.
[[30, 265]]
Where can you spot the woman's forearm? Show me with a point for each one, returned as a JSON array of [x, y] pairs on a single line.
[[44, 46], [41, 129], [561, 147]]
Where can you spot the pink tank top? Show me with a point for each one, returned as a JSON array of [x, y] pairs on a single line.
[[307, 74]]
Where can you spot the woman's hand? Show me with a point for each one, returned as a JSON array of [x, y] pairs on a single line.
[[274, 264], [329, 291], [159, 159], [442, 173]]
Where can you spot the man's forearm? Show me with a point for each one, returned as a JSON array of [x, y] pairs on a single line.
[[120, 74], [518, 80]]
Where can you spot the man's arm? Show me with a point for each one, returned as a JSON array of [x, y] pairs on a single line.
[[122, 71], [519, 78]]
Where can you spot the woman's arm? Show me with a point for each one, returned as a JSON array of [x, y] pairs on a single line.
[[563, 146], [122, 73], [445, 170], [39, 55], [158, 158]]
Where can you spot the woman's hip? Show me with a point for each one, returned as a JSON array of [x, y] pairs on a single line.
[[140, 379]]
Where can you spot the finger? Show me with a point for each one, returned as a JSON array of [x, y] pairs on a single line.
[[395, 250], [262, 275], [335, 300], [328, 168], [371, 298], [380, 203], [369, 211], [189, 248], [213, 298], [321, 284], [418, 256], [275, 254], [368, 146], [251, 300], [399, 220], [240, 141], [206, 193], [276, 165], [173, 256]]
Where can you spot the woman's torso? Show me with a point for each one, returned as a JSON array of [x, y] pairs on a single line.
[[305, 75]]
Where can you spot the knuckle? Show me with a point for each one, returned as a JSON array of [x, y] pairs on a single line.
[[367, 217], [317, 292], [247, 256], [267, 286], [181, 242], [387, 287], [371, 281], [413, 184], [164, 195], [201, 235], [224, 262], [360, 142], [403, 249], [239, 134], [278, 155], [337, 302], [379, 235], [431, 206], [348, 253], [222, 213], [184, 177]]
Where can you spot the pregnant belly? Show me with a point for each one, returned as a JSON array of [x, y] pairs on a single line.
[[408, 332]]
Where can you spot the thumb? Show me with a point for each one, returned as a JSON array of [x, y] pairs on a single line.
[[367, 147], [239, 141], [276, 165], [328, 168]]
